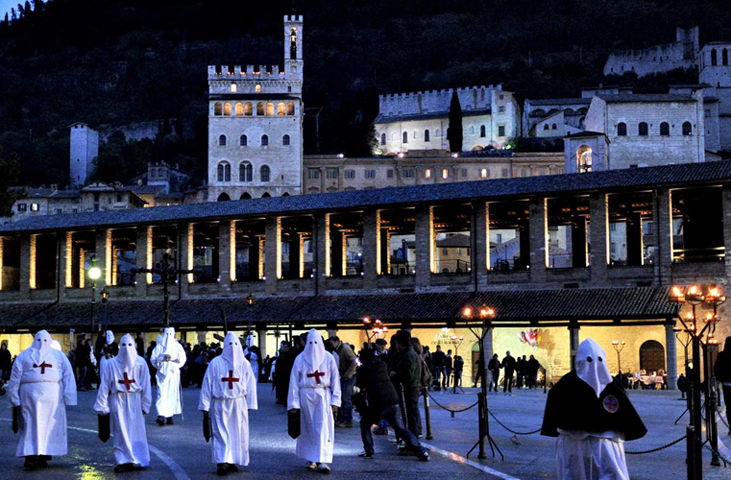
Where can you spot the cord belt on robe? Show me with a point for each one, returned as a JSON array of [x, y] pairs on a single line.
[[228, 398], [316, 386], [39, 381]]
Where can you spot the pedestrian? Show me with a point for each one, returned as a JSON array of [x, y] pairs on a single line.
[[6, 361], [140, 345], [169, 358], [108, 351], [533, 367], [592, 417], [722, 370], [508, 364], [148, 356], [346, 368], [382, 403], [458, 368], [41, 386], [448, 367], [439, 362], [253, 355], [494, 368], [407, 372], [283, 370], [125, 393], [83, 360], [314, 390], [522, 370], [228, 393], [479, 370]]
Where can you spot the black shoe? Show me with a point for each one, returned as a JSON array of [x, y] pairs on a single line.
[[232, 468], [31, 462], [170, 421], [365, 454], [424, 457], [222, 469], [380, 431], [160, 421], [404, 453], [124, 467], [41, 462]]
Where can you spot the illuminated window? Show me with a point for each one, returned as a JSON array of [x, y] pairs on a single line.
[[281, 109], [227, 109], [293, 43], [427, 173], [270, 109], [233, 88], [239, 109], [584, 159], [445, 173], [248, 109], [33, 207], [485, 173], [218, 109], [290, 108], [257, 88]]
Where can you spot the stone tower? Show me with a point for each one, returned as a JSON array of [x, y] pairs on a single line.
[[84, 149], [715, 72], [255, 125]]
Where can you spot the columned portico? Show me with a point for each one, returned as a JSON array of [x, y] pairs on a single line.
[[372, 245], [538, 228], [273, 247], [104, 256], [144, 259], [322, 250], [671, 355], [599, 238], [424, 245], [227, 249]]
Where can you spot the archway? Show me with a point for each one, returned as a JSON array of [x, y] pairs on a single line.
[[245, 196], [652, 356], [583, 159], [223, 197], [266, 195], [285, 194]]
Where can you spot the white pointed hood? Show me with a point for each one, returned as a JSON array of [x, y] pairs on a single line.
[[591, 366], [127, 356], [41, 347], [233, 353], [109, 337], [314, 349], [169, 342]]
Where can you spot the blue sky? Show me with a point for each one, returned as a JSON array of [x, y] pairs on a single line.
[[6, 5]]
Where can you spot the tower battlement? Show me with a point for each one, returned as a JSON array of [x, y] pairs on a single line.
[[430, 101], [220, 72], [293, 18]]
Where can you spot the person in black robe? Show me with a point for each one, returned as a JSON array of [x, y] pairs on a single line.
[[592, 417]]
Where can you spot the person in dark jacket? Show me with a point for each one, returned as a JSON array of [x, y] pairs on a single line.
[[722, 370], [406, 371], [448, 367], [439, 364], [373, 381], [508, 365], [522, 370], [533, 367], [6, 361], [494, 368]]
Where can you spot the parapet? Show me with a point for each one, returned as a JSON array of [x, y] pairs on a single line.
[[220, 72], [436, 93], [293, 18]]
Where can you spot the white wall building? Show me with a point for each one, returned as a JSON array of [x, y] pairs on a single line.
[[84, 150], [683, 53]]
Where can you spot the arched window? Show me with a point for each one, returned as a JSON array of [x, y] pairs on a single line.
[[257, 88], [281, 109], [223, 197], [665, 129], [264, 140], [239, 109], [222, 140], [245, 196], [218, 109], [293, 43], [405, 137], [260, 108], [264, 173], [285, 194], [652, 356], [426, 135], [224, 172], [266, 195], [583, 159], [270, 109], [545, 127], [234, 88], [714, 57], [554, 127], [243, 140], [285, 140], [622, 129], [642, 129], [687, 128], [245, 172], [483, 134], [472, 129], [227, 109], [248, 109], [383, 139], [290, 108], [724, 57]]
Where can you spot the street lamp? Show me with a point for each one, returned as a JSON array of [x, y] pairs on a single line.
[[95, 273], [105, 297], [618, 347], [373, 328]]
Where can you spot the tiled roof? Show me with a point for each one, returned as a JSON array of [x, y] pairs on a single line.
[[647, 98], [640, 303], [497, 189], [428, 116]]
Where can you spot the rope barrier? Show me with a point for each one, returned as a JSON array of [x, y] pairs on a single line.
[[510, 429], [449, 409], [642, 452]]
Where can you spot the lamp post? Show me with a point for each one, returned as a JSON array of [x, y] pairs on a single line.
[[618, 347], [105, 297], [95, 273], [373, 328], [714, 298], [456, 341]]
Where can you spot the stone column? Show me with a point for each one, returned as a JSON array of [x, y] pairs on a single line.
[[635, 246], [599, 232], [371, 248], [322, 179], [296, 256], [322, 250], [481, 232], [2, 264], [726, 201], [260, 259], [67, 259], [538, 219], [488, 347], [573, 342], [104, 258], [578, 242], [227, 252], [261, 334], [186, 252], [671, 350], [27, 263], [144, 259], [663, 216], [273, 252], [385, 251], [339, 243], [82, 271], [424, 245]]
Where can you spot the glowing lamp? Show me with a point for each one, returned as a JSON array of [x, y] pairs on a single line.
[[366, 320], [250, 300], [467, 312], [95, 273]]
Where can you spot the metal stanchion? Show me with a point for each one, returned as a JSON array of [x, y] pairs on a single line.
[[427, 416], [690, 452], [481, 415]]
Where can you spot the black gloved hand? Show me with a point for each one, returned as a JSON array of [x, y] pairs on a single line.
[[104, 428], [16, 418], [207, 429]]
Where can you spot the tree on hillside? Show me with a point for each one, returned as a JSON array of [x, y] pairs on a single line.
[[10, 168], [454, 134]]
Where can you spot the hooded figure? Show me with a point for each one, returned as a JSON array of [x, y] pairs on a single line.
[[109, 350], [592, 417], [168, 357], [41, 385], [314, 390], [228, 393], [125, 392]]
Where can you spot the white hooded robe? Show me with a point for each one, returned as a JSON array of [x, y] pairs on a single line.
[[169, 401], [42, 383], [228, 393], [125, 392], [314, 388], [108, 340]]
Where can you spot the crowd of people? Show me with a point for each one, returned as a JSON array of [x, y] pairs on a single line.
[[521, 373]]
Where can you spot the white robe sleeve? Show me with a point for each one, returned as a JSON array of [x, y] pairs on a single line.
[[181, 356], [102, 396], [13, 386], [251, 394], [146, 388], [155, 355], [293, 400], [69, 382], [334, 382], [204, 404]]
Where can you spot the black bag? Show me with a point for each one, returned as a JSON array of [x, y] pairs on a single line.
[[207, 429], [17, 415], [104, 427], [293, 423]]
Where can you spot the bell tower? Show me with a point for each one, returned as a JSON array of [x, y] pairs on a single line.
[[293, 63]]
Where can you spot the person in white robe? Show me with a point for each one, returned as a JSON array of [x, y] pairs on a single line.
[[314, 390], [42, 384], [228, 393], [168, 357], [109, 351], [126, 394]]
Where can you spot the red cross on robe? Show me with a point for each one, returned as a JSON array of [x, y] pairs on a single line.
[[231, 379], [317, 374], [127, 381], [43, 366]]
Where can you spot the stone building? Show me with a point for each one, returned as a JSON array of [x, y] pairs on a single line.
[[683, 53], [420, 120], [84, 150], [715, 75], [255, 142]]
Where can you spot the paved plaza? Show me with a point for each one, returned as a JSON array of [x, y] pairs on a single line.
[[180, 451]]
